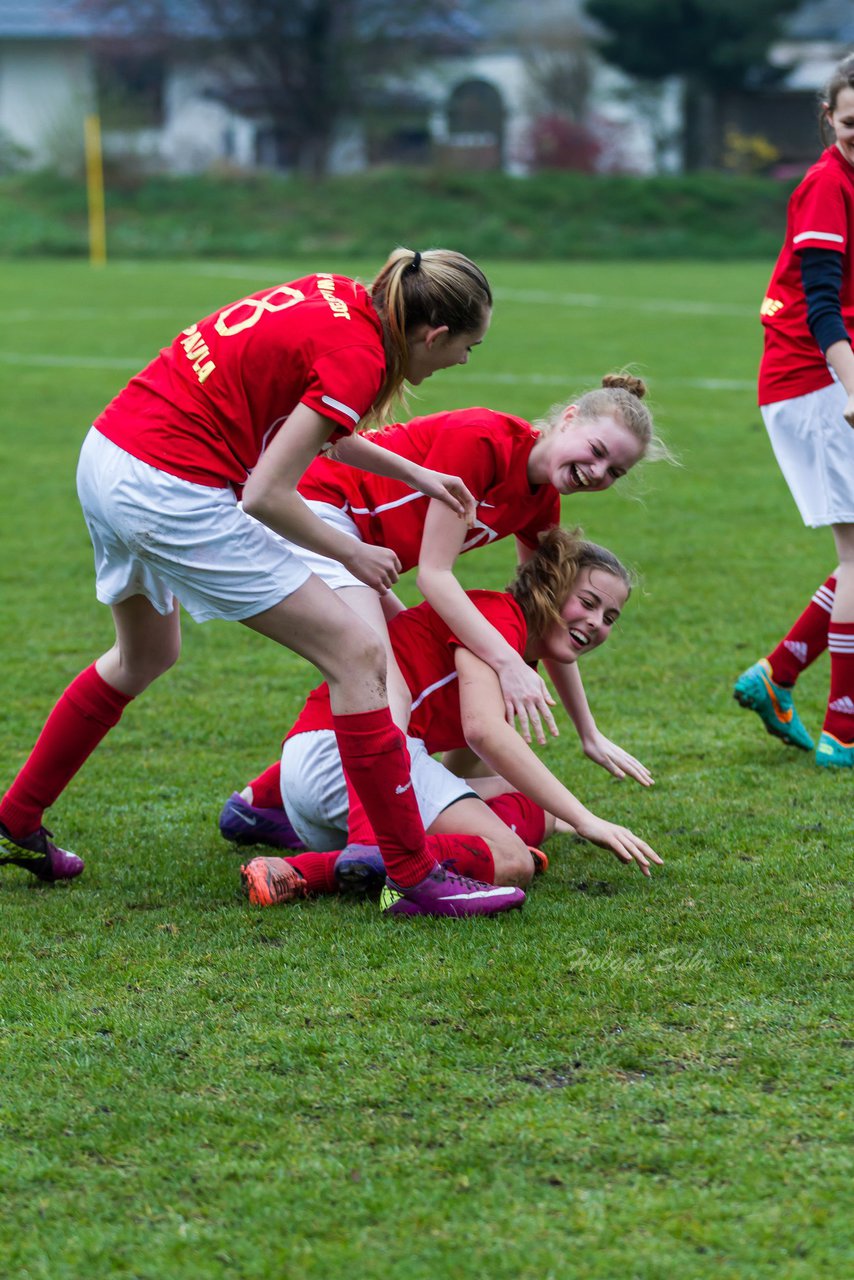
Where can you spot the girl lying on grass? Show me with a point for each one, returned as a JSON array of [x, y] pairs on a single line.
[[562, 603], [517, 472]]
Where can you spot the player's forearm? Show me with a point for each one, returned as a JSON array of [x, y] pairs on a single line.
[[840, 357], [509, 756], [566, 679], [444, 593], [360, 451], [287, 514]]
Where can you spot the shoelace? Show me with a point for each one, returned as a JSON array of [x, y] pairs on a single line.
[[466, 881]]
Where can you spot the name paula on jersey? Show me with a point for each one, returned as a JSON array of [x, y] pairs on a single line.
[[198, 351]]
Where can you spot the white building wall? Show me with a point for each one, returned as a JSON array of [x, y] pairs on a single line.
[[198, 130], [640, 135], [46, 90]]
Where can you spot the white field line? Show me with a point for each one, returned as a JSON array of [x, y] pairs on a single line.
[[536, 297], [593, 380], [533, 297], [670, 306], [30, 315], [572, 301], [47, 361]]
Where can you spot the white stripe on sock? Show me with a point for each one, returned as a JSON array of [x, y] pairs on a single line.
[[824, 598]]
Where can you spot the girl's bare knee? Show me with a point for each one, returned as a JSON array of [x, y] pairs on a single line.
[[513, 862], [362, 655], [133, 673]]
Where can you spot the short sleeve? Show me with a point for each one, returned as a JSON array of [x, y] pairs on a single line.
[[343, 384], [820, 218], [501, 610]]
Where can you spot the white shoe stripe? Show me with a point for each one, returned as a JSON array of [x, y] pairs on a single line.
[[479, 893]]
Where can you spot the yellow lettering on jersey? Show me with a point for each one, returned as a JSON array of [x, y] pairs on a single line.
[[194, 345], [196, 349], [770, 306], [326, 285]]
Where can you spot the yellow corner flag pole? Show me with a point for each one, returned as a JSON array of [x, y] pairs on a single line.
[[95, 191]]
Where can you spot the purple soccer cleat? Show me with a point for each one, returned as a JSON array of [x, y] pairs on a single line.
[[244, 823], [359, 868], [38, 853], [444, 893]]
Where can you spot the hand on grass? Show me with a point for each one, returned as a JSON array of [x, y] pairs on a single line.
[[612, 757], [620, 841]]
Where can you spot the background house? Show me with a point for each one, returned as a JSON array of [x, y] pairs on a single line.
[[526, 91], [785, 114]]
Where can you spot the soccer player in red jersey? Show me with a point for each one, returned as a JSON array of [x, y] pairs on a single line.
[[806, 392], [517, 472], [240, 404], [563, 603]]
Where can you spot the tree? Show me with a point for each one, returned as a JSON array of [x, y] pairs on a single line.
[[306, 65], [714, 45]]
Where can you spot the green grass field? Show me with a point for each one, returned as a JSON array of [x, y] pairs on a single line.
[[630, 1078]]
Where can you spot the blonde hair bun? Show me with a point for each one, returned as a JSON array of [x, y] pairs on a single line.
[[625, 382]]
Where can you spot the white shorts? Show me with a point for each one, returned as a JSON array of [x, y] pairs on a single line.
[[332, 572], [314, 790], [814, 447], [160, 537]]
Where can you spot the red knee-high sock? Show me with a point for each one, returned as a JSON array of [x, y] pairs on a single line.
[[267, 788], [88, 708], [839, 719], [806, 639], [376, 762], [521, 815], [359, 829], [318, 870], [467, 855]]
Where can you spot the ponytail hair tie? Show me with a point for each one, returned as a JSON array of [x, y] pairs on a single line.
[[416, 261]]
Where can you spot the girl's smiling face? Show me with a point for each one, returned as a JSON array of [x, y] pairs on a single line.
[[593, 606], [584, 455], [841, 121]]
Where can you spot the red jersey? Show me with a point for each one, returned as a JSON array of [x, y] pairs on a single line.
[[207, 407], [820, 216], [424, 647], [488, 450]]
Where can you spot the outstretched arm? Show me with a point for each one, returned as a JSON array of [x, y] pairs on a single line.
[[494, 740], [566, 679], [523, 691]]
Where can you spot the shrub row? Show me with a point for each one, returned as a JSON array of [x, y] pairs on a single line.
[[550, 216]]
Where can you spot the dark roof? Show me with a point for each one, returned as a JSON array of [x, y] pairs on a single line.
[[80, 19], [822, 20]]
